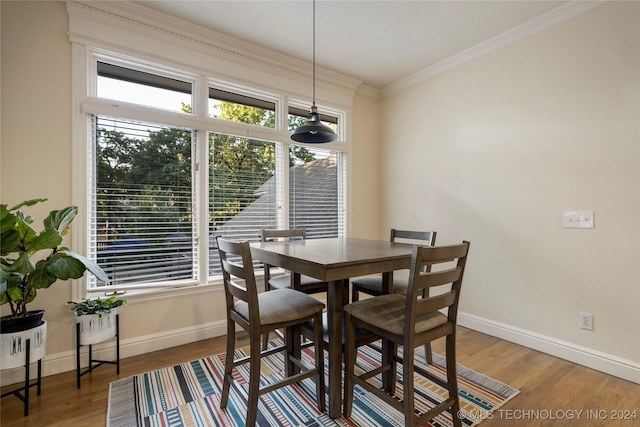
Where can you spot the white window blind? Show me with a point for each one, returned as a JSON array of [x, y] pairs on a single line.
[[143, 206], [315, 193], [242, 191]]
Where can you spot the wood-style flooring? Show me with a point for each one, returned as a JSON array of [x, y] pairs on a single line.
[[553, 392]]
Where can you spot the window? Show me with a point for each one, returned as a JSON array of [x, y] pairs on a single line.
[[143, 202], [241, 108], [317, 210], [242, 189], [161, 191], [139, 87]]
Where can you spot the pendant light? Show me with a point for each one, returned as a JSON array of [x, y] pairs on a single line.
[[314, 131]]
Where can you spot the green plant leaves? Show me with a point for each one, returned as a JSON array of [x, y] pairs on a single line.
[[65, 267], [19, 276], [60, 220], [7, 219], [89, 265], [27, 203], [9, 241], [95, 306], [48, 239], [40, 277], [22, 265]]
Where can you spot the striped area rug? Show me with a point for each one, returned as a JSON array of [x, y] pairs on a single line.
[[189, 395]]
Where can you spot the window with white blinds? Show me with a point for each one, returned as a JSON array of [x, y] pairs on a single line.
[[242, 188], [315, 199], [144, 215], [166, 179]]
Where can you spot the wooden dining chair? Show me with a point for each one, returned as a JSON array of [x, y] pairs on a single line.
[[260, 313], [301, 283], [410, 322], [289, 280], [372, 285]]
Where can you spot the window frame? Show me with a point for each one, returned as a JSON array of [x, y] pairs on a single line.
[[85, 60]]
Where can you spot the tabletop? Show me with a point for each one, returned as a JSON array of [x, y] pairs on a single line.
[[335, 258]]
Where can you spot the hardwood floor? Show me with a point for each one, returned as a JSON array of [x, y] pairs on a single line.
[[552, 391]]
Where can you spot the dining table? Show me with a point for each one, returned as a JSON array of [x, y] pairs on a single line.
[[335, 260]]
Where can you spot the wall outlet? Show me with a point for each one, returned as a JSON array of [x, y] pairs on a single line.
[[586, 321]]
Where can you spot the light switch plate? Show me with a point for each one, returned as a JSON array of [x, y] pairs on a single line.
[[577, 219]]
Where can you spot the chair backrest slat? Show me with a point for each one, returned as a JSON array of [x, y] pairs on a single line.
[[437, 302], [417, 237], [438, 278]]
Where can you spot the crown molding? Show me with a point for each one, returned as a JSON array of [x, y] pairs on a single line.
[[163, 26], [549, 19], [367, 90]]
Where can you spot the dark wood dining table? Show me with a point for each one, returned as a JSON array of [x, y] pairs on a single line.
[[335, 260]]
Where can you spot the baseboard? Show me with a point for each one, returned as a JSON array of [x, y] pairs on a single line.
[[603, 362], [66, 361]]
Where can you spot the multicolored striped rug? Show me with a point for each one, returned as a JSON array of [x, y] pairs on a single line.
[[189, 395]]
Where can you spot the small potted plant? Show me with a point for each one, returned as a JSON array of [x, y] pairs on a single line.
[[97, 318], [31, 261]]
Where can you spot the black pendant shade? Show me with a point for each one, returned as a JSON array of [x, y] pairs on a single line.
[[314, 131]]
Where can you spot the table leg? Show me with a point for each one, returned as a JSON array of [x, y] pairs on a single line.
[[387, 282], [335, 303]]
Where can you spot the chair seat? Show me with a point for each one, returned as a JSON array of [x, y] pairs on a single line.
[[388, 312], [374, 284], [281, 306], [284, 281]]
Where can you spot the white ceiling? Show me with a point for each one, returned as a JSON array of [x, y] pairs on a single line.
[[378, 42]]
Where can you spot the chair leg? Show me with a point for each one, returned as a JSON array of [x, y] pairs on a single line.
[[427, 353], [254, 382], [408, 388], [265, 337], [350, 352], [228, 364], [355, 294], [452, 378], [388, 353], [320, 389]]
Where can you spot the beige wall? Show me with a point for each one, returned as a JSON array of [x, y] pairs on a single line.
[[506, 143], [36, 126], [365, 163]]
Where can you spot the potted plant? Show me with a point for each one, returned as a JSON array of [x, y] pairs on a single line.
[[30, 261], [97, 318]]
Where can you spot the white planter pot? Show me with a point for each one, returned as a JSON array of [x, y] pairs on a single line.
[[13, 346], [95, 328]]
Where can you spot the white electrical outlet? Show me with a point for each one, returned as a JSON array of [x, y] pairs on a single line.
[[577, 219], [586, 321]]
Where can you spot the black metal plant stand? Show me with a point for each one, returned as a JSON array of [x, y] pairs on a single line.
[[94, 363], [27, 383]]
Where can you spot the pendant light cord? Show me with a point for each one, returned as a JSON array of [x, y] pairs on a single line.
[[314, 53]]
